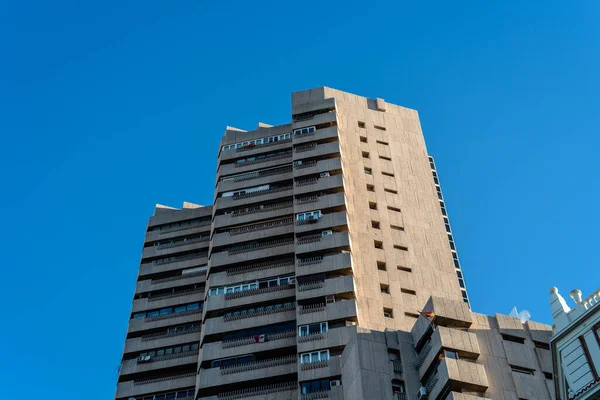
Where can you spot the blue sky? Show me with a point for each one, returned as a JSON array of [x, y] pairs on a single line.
[[107, 108]]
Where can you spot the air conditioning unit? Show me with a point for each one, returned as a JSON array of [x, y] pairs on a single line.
[[143, 359], [292, 281], [324, 174], [327, 232], [329, 299], [422, 393], [297, 163], [336, 382]]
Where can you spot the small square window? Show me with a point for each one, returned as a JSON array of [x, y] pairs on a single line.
[[378, 244], [372, 205], [363, 139], [370, 188], [365, 154], [361, 124], [368, 171], [397, 228], [381, 266], [375, 224], [403, 268], [388, 313], [385, 288]]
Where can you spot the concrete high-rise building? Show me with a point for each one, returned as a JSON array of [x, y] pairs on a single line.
[[323, 232]]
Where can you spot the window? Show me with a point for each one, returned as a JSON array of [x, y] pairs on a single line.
[[443, 208], [378, 244], [365, 154], [368, 171], [310, 215], [388, 313], [304, 131], [408, 291], [363, 139], [381, 266], [451, 240], [314, 356], [391, 191], [385, 158], [370, 188], [396, 209], [511, 338], [381, 128], [306, 330], [361, 124], [372, 205], [387, 174], [169, 310], [385, 288], [375, 224], [397, 228], [254, 142], [447, 224], [318, 385], [521, 370], [548, 375], [402, 268], [411, 315], [398, 247]]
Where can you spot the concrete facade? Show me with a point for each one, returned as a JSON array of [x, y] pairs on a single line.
[[324, 233]]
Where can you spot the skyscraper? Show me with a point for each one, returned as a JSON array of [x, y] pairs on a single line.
[[321, 229]]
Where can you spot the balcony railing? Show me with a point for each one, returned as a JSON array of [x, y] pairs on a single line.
[[397, 366], [306, 182], [178, 277], [307, 221], [273, 362], [308, 199], [261, 227], [258, 313], [311, 337], [259, 246], [431, 382], [302, 287], [262, 192], [258, 146], [263, 160], [400, 396], [184, 257], [267, 208], [258, 391], [158, 335], [269, 337], [305, 147], [171, 356], [184, 242], [423, 354], [163, 378], [184, 226], [309, 239], [311, 308], [306, 164], [261, 174], [254, 292], [303, 262], [172, 315], [261, 266], [175, 294], [315, 395], [314, 365]]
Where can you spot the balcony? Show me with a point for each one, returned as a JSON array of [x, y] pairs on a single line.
[[163, 321], [464, 343], [276, 391], [238, 299], [173, 263], [254, 232], [314, 150], [319, 202], [248, 166], [318, 242], [253, 151], [318, 119], [160, 384], [267, 317], [308, 265], [161, 339], [335, 337], [159, 362], [342, 284], [344, 309], [176, 231], [253, 251], [176, 246], [261, 196], [318, 184], [256, 178], [172, 281], [317, 167], [251, 214], [463, 374], [261, 369], [322, 134], [251, 272], [327, 221], [280, 340], [168, 300], [320, 369]]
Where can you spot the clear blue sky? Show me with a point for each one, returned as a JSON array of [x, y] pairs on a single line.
[[107, 108]]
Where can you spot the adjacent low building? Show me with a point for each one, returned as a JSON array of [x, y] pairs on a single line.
[[576, 346]]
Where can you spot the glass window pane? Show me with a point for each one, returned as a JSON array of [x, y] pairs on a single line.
[[165, 311], [139, 315], [305, 358]]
